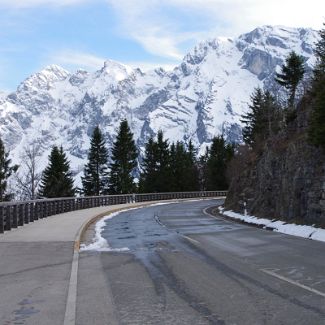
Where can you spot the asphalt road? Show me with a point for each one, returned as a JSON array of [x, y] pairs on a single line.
[[186, 267]]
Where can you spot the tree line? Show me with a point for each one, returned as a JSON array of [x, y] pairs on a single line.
[[163, 167]]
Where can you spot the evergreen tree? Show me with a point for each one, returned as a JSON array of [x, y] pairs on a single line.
[[253, 120], [124, 161], [218, 159], [57, 178], [191, 169], [6, 170], [319, 70], [291, 74], [95, 180], [148, 168], [184, 171], [316, 130], [262, 118], [203, 170], [163, 176], [156, 173], [178, 160]]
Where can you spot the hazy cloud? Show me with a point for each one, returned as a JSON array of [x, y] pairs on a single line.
[[146, 21], [76, 60]]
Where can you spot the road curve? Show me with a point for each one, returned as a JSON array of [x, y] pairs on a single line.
[[186, 267]]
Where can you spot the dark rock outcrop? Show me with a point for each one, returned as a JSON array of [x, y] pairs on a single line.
[[287, 181]]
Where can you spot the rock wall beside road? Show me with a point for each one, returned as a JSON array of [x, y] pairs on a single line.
[[287, 181]]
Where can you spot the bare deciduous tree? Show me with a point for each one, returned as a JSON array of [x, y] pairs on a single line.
[[29, 176]]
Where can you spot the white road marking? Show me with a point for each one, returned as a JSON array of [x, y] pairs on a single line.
[[191, 240], [70, 311], [322, 294]]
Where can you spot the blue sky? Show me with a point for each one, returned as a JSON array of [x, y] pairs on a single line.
[[144, 33]]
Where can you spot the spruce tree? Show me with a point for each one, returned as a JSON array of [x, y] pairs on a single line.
[[291, 74], [219, 157], [57, 178], [316, 129], [95, 179], [319, 69], [155, 168], [163, 176], [253, 120], [184, 172], [262, 118], [178, 161], [124, 162], [192, 169], [148, 168], [6, 170]]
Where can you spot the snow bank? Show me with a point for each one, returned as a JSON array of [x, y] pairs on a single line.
[[278, 226], [99, 243]]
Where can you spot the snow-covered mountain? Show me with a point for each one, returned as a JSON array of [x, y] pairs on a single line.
[[202, 97]]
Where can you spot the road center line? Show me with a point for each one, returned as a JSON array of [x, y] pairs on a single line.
[[322, 294]]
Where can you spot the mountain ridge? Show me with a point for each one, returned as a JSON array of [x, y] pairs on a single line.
[[201, 97]]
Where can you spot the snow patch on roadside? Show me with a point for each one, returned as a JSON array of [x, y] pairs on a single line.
[[99, 243], [303, 231]]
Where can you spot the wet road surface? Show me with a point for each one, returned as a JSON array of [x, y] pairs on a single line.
[[186, 267]]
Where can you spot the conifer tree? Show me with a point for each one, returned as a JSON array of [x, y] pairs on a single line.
[[57, 178], [156, 173], [95, 179], [319, 69], [183, 167], [6, 170], [124, 162], [163, 177], [291, 74], [316, 129], [148, 168], [219, 156], [262, 118], [192, 169], [178, 160], [253, 120]]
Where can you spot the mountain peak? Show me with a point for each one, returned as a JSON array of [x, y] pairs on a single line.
[[45, 78], [280, 36], [114, 71], [53, 73]]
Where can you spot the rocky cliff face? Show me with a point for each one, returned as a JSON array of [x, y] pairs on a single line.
[[286, 182], [202, 97]]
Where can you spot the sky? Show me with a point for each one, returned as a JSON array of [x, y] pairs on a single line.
[[140, 33]]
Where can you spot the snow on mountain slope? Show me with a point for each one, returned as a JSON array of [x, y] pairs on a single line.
[[202, 97]]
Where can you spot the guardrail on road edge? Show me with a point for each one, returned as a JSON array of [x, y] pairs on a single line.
[[17, 213]]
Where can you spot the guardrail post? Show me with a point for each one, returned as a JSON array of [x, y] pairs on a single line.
[[31, 212], [7, 218], [44, 209], [14, 216], [1, 221], [20, 215], [35, 212], [26, 213]]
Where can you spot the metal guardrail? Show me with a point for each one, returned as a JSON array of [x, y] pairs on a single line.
[[17, 213]]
